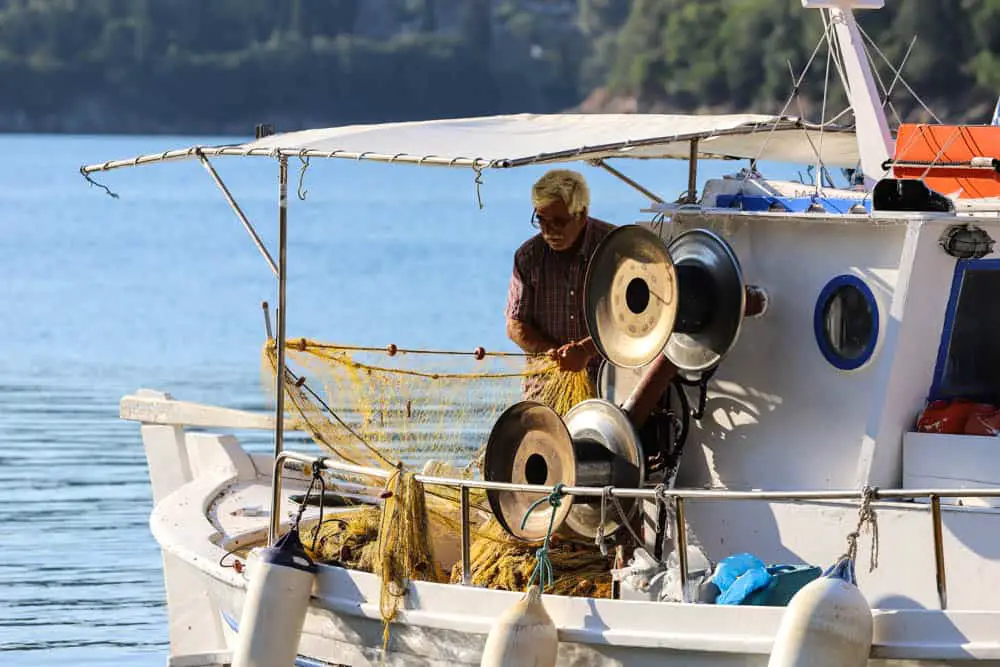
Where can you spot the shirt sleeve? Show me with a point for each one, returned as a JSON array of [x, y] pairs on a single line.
[[520, 295]]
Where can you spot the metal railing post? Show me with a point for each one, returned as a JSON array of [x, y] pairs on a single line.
[[678, 497], [942, 589], [681, 543], [466, 538], [274, 519]]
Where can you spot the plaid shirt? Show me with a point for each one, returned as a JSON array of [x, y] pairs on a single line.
[[546, 287]]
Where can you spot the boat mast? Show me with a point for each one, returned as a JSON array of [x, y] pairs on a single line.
[[875, 143]]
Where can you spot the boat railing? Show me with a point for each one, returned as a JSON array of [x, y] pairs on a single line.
[[677, 497]]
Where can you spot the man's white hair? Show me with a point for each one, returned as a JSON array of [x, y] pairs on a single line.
[[562, 184]]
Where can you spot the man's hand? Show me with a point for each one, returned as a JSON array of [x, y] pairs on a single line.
[[572, 357]]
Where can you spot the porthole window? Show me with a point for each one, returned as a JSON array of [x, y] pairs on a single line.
[[846, 322]]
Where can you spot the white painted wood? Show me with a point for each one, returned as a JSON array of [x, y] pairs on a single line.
[[192, 617], [166, 453], [913, 337], [157, 408], [214, 659], [778, 415], [219, 456], [946, 456], [939, 460]]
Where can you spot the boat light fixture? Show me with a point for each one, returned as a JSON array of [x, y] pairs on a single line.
[[966, 241]]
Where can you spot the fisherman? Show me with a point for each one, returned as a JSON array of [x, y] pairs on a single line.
[[545, 297]]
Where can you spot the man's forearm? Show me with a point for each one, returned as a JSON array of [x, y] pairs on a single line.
[[528, 338]]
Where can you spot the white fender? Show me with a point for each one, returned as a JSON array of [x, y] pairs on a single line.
[[524, 636], [281, 582], [828, 623]]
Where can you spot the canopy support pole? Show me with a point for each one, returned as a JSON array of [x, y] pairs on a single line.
[[239, 211], [692, 192], [279, 410], [617, 174]]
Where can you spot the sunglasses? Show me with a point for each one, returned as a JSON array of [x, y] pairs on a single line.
[[555, 224]]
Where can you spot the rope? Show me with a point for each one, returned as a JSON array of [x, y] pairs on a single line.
[[302, 175], [450, 376], [94, 183], [302, 343], [802, 113], [624, 520], [543, 568], [866, 515], [788, 102], [317, 476], [479, 181], [599, 539], [294, 389], [955, 134], [898, 73]]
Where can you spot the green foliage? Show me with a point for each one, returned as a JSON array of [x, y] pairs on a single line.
[[204, 64], [735, 54]]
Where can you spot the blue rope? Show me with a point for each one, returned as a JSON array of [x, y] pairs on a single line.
[[543, 567]]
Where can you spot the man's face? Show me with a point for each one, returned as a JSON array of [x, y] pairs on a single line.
[[559, 229]]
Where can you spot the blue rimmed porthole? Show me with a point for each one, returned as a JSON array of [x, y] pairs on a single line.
[[846, 322]]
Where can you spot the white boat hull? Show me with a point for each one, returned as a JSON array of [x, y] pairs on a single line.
[[210, 498], [347, 630]]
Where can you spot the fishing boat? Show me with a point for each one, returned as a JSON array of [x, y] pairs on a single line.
[[833, 350]]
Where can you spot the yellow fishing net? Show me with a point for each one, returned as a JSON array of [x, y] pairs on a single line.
[[382, 406], [428, 411]]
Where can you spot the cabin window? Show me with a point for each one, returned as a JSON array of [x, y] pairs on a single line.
[[846, 322], [968, 364]]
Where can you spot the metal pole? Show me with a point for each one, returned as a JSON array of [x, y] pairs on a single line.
[[617, 174], [306, 462], [274, 519], [279, 409], [692, 194], [466, 538], [942, 588], [267, 319], [239, 212], [682, 546]]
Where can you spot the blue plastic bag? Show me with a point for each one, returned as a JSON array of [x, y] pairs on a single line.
[[738, 576]]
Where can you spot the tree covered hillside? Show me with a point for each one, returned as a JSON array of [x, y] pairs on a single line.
[[224, 65]]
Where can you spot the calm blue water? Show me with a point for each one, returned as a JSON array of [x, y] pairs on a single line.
[[162, 288]]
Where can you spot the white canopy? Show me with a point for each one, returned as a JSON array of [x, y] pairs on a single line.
[[522, 139]]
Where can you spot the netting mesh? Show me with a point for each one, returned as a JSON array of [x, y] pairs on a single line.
[[428, 411], [385, 406]]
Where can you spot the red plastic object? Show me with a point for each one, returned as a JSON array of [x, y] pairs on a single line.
[[983, 424], [952, 416]]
